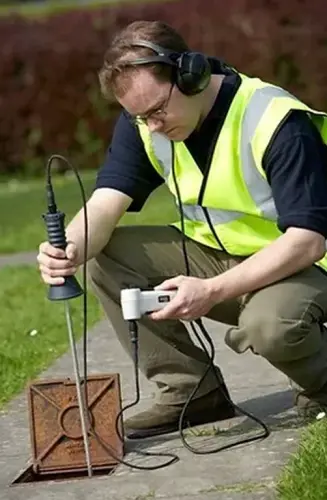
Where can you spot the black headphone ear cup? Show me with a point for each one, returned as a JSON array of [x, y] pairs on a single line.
[[193, 73]]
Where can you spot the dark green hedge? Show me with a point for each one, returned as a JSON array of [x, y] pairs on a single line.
[[49, 94]]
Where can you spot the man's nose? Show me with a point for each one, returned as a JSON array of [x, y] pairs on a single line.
[[154, 124]]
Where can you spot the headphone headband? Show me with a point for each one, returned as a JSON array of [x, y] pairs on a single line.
[[193, 70], [160, 51]]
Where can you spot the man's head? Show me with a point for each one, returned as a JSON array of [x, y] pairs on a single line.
[[153, 75]]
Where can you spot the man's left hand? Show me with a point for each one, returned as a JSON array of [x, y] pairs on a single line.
[[194, 298]]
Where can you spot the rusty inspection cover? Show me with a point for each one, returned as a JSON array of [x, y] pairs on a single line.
[[55, 426]]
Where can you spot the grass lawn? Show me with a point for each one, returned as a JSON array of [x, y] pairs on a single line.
[[33, 330], [305, 477], [56, 7]]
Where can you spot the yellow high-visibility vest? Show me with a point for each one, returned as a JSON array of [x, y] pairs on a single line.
[[237, 200]]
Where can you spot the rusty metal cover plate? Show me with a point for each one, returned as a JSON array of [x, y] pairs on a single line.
[[55, 427]]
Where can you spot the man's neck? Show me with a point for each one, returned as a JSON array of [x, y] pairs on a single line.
[[209, 96]]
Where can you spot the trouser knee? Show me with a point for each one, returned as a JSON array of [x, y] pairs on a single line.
[[102, 278], [276, 339], [96, 272], [111, 270]]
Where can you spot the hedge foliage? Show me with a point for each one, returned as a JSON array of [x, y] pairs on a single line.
[[49, 94]]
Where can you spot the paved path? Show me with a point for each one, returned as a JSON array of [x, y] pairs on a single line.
[[247, 472], [18, 258]]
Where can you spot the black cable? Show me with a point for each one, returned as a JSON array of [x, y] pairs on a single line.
[[134, 340], [133, 331], [210, 355], [265, 432]]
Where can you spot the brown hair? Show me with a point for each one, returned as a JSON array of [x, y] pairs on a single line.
[[115, 73]]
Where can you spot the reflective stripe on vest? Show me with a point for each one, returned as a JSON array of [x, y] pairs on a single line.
[[256, 184]]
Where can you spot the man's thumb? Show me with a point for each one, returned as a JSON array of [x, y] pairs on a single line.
[[71, 251], [169, 284]]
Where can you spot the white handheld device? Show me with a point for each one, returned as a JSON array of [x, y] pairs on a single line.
[[135, 302]]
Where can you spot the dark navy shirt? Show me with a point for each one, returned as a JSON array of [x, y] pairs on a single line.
[[295, 163]]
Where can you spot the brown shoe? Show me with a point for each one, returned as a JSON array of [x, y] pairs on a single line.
[[162, 419], [308, 409], [308, 406]]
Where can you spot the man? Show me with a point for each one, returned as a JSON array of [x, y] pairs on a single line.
[[247, 163]]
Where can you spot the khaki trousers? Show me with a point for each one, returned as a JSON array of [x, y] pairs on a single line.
[[282, 322]]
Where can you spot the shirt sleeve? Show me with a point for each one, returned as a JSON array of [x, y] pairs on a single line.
[[126, 167], [296, 167]]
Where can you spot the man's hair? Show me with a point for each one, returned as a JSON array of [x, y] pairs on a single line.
[[115, 73]]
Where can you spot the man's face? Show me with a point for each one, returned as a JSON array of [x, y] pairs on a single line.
[[161, 105]]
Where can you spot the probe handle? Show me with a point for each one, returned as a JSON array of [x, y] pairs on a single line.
[[57, 237], [55, 224]]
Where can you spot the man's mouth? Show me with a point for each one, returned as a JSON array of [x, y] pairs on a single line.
[[170, 131]]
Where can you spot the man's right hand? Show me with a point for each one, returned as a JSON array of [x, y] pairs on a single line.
[[55, 263]]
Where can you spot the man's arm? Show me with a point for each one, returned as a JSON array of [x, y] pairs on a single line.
[[104, 210], [292, 252], [125, 181], [296, 168]]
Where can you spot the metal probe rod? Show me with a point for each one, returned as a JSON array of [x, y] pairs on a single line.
[[80, 397]]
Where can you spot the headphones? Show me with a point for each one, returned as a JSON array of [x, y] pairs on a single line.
[[192, 69]]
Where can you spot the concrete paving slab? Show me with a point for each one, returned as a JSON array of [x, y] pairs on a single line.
[[18, 258], [246, 472], [100, 492], [260, 494]]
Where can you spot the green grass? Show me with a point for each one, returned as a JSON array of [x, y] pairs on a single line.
[[23, 202], [33, 330], [51, 8], [305, 476]]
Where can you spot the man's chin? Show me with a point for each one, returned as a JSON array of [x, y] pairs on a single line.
[[177, 135]]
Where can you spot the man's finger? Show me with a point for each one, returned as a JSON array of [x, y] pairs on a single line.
[[169, 284], [168, 312], [52, 263], [57, 272], [71, 251], [48, 249], [52, 281]]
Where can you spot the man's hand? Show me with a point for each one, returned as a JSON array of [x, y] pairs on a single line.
[[194, 299], [55, 263]]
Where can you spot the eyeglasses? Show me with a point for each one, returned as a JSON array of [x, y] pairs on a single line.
[[155, 114]]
